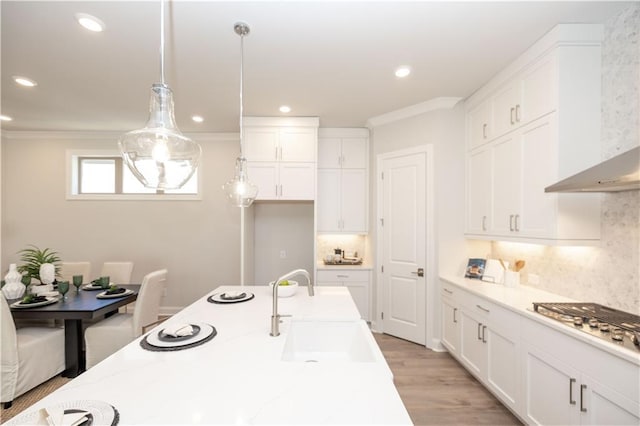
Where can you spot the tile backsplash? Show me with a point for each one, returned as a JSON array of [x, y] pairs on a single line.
[[608, 274], [351, 243]]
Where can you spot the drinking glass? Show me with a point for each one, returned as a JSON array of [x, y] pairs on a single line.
[[77, 282], [63, 288], [104, 282]]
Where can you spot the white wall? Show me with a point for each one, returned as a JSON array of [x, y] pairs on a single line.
[[610, 273], [198, 241]]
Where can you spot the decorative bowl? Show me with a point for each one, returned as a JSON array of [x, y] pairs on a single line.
[[285, 290]]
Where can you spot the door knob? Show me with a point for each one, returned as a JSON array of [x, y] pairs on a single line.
[[419, 273]]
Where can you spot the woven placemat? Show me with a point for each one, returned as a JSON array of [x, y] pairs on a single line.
[[148, 346], [210, 299]]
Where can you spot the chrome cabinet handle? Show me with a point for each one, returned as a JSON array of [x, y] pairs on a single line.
[[484, 223], [447, 290], [518, 113], [571, 400], [511, 115], [517, 223], [342, 276], [484, 131], [479, 327], [454, 315], [582, 407], [484, 328], [511, 222], [484, 309]]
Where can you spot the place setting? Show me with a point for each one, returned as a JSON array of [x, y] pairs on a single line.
[[230, 297], [33, 301], [101, 283], [178, 337], [70, 413]]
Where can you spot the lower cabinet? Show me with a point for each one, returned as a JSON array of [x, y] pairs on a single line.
[[544, 376], [357, 281]]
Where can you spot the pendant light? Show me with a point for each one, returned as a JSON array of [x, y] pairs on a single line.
[[240, 192], [159, 155]]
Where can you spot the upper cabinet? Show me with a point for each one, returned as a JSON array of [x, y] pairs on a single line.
[[343, 180], [281, 156], [535, 123]]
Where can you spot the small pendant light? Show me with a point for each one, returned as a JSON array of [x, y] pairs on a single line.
[[240, 192], [159, 155]]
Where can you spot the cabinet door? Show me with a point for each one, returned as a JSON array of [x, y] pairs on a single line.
[[297, 181], [360, 295], [537, 208], [329, 153], [539, 86], [328, 200], [354, 153], [265, 175], [298, 144], [479, 125], [551, 391], [506, 108], [479, 189], [503, 368], [353, 200], [473, 352], [450, 332], [261, 143], [601, 405], [506, 185]]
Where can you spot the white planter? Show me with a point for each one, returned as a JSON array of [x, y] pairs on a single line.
[[40, 289], [13, 287]]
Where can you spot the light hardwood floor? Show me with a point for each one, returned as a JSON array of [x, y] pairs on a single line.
[[437, 390]]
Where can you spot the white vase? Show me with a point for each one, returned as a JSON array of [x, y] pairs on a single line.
[[47, 273], [13, 288]]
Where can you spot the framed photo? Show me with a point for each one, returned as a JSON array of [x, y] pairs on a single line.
[[475, 268]]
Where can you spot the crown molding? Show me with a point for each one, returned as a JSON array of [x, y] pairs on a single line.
[[102, 135], [413, 110]]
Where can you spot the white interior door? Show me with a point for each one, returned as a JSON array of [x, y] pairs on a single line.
[[404, 245]]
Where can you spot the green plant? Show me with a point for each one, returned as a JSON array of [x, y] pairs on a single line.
[[33, 258]]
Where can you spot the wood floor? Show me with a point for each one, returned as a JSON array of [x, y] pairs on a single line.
[[437, 390]]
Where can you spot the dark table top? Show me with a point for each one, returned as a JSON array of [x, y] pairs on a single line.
[[78, 305]]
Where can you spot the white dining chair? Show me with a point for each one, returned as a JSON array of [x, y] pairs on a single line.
[[29, 356], [118, 272], [111, 334], [69, 269]]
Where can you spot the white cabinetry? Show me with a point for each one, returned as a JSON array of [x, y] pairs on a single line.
[[450, 320], [357, 281], [281, 156], [568, 382], [531, 126], [342, 180]]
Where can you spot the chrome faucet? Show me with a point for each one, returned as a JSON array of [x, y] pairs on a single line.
[[275, 317]]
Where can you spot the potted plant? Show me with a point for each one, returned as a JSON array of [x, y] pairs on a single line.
[[33, 258]]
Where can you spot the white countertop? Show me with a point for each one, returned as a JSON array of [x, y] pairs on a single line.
[[520, 300], [323, 266], [238, 377]]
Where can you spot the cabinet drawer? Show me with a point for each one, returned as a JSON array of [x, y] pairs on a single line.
[[343, 275]]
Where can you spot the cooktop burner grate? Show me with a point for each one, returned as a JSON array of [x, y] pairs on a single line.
[[611, 316]]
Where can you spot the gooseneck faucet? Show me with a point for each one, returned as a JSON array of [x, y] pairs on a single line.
[[275, 317]]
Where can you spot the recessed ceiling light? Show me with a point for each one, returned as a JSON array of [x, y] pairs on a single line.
[[197, 119], [403, 72], [24, 81], [285, 109], [90, 22], [5, 118]]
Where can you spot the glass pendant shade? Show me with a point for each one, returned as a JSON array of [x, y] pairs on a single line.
[[240, 192], [159, 155]]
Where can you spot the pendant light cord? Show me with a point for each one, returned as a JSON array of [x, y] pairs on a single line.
[[241, 90], [162, 41]]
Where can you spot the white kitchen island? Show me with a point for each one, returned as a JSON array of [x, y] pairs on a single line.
[[239, 377]]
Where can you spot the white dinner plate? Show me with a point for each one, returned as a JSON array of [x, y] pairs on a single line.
[[219, 298], [50, 300], [93, 287], [205, 331], [103, 413], [104, 294]]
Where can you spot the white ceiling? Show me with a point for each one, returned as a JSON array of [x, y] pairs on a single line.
[[334, 60]]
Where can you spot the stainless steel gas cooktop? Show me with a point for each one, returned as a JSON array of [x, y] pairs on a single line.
[[616, 326]]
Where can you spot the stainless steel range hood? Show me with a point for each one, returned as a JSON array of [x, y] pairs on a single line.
[[620, 173]]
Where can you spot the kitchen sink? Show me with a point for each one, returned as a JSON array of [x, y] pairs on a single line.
[[330, 341]]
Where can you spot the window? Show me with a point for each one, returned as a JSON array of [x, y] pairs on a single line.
[[103, 174]]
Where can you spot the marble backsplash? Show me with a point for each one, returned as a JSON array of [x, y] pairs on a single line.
[[351, 243], [610, 273]]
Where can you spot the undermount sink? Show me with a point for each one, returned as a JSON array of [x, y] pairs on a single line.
[[329, 341]]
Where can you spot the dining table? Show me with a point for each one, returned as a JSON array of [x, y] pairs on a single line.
[[77, 307]]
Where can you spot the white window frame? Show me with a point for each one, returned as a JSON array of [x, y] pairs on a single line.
[[72, 181]]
